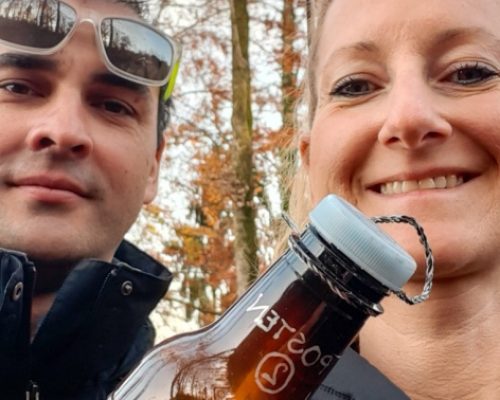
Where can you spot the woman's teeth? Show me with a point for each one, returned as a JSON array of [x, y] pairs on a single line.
[[438, 182]]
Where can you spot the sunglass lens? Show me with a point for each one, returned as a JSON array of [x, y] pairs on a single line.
[[136, 49], [40, 24]]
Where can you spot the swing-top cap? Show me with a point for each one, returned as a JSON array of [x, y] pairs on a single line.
[[360, 239]]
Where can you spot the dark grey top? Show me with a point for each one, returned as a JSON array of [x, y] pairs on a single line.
[[354, 378]]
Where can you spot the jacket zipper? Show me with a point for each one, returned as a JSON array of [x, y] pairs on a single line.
[[32, 391]]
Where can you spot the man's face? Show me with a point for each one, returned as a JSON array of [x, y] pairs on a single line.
[[78, 155]]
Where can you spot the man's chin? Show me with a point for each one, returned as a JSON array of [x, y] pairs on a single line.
[[50, 247], [43, 252]]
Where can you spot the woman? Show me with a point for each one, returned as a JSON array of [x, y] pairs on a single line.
[[404, 100]]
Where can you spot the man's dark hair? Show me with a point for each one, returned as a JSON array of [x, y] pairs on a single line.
[[164, 107], [139, 6]]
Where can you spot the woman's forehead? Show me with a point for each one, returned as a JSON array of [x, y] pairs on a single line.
[[351, 21]]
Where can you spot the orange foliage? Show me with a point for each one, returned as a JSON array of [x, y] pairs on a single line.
[[201, 251]]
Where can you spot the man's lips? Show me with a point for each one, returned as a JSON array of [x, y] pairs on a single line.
[[51, 183]]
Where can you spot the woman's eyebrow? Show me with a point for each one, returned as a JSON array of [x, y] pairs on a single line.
[[368, 48], [365, 46], [441, 39], [482, 35]]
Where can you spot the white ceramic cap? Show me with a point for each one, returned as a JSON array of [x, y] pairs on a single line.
[[362, 241]]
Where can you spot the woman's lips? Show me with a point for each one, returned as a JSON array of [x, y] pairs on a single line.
[[435, 182]]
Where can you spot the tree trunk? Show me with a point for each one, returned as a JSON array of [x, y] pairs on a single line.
[[245, 244], [289, 66], [58, 18], [311, 16]]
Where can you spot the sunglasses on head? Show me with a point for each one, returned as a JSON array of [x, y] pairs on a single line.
[[129, 48]]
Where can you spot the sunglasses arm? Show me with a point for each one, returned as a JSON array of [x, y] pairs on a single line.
[[171, 82]]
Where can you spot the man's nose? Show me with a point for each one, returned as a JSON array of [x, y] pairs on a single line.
[[62, 128], [413, 119]]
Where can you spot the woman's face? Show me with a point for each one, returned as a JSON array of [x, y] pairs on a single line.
[[408, 121]]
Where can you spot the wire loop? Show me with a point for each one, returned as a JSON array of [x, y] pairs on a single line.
[[429, 258]]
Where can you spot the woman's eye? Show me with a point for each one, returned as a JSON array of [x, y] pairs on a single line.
[[471, 74], [17, 88], [352, 87]]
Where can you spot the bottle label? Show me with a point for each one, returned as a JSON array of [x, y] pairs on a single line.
[[276, 369]]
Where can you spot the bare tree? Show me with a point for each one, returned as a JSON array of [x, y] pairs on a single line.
[[245, 244]]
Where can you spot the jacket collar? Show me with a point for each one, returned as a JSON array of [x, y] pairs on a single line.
[[95, 318]]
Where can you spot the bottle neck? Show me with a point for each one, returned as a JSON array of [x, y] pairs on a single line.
[[342, 275], [293, 324], [312, 278]]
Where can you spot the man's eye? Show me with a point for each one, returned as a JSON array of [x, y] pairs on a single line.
[[17, 88], [352, 87], [116, 107], [471, 74]]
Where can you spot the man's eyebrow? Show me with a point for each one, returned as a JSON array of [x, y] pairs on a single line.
[[27, 61], [34, 62], [108, 78]]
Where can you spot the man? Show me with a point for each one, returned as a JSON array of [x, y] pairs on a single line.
[[81, 111]]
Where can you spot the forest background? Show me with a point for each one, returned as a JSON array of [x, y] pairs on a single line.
[[215, 221]]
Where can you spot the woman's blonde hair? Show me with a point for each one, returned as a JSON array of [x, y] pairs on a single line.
[[296, 179], [298, 183]]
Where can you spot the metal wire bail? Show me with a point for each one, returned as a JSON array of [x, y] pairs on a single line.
[[429, 259]]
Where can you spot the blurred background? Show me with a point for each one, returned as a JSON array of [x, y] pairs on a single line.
[[215, 220]]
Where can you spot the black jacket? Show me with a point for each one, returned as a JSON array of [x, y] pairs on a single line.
[[353, 378], [95, 332]]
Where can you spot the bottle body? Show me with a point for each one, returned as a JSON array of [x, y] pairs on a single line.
[[277, 342]]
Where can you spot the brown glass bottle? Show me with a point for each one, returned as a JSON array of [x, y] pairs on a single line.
[[282, 337]]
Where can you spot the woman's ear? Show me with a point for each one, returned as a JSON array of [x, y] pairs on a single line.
[[304, 141]]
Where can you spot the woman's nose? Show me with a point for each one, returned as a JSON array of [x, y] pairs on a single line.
[[62, 128], [413, 119]]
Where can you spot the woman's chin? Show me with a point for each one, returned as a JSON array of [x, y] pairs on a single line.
[[453, 256]]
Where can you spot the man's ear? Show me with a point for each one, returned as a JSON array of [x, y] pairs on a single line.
[[152, 182], [304, 142]]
